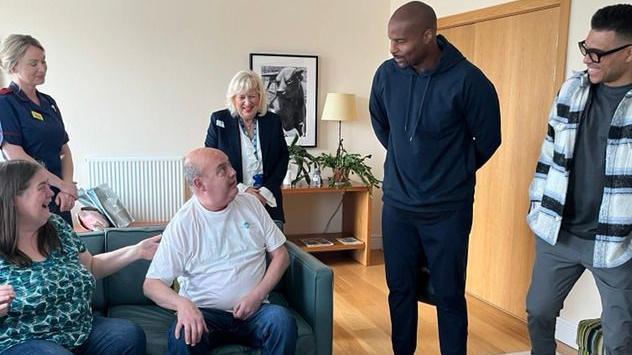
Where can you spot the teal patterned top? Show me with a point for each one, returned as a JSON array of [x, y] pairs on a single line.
[[52, 297]]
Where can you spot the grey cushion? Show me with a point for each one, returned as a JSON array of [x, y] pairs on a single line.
[[154, 320]]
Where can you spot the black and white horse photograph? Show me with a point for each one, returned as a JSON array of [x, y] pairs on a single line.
[[290, 84]]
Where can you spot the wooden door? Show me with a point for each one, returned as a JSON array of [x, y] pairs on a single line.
[[521, 48]]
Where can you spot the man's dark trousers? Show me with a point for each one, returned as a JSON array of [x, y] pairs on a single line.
[[443, 238]]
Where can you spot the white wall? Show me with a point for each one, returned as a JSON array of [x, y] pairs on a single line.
[[139, 78], [583, 301]]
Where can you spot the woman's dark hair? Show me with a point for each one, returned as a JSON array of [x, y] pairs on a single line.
[[15, 176], [617, 18]]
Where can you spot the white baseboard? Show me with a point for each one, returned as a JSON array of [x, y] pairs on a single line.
[[566, 332]]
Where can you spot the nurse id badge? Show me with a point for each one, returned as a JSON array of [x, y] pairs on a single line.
[[38, 116]]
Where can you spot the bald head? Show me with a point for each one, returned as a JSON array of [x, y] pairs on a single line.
[[199, 160], [415, 14], [211, 177], [412, 32]]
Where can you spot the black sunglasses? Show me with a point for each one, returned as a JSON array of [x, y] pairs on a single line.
[[595, 54]]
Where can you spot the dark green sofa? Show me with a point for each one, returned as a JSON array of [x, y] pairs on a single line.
[[306, 288]]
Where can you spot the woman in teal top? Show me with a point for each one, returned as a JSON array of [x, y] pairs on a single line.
[[47, 276]]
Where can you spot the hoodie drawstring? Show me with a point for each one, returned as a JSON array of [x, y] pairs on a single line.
[[421, 109], [411, 86]]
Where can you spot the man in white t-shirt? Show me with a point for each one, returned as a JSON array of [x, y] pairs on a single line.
[[216, 246]]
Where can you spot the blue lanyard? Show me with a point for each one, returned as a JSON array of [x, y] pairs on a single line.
[[254, 135]]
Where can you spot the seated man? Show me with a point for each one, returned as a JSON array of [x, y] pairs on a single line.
[[216, 246]]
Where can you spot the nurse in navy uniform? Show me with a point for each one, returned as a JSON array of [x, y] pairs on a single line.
[[252, 138], [31, 127]]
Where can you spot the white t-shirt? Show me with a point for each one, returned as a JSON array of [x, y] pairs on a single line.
[[217, 257]]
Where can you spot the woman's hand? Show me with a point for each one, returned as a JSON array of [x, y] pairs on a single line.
[[147, 248], [255, 192], [65, 201], [6, 297]]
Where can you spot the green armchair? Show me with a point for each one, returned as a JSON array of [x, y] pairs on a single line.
[[306, 289]]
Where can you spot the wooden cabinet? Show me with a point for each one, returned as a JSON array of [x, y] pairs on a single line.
[[356, 212]]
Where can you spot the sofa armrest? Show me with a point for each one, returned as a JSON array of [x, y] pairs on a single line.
[[309, 291]]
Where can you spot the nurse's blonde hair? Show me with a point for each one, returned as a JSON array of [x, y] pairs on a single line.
[[13, 49]]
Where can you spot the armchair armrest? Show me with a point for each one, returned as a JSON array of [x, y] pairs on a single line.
[[309, 291]]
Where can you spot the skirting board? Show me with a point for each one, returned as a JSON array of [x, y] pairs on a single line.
[[566, 332]]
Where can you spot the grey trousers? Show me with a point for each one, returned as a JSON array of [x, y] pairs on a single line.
[[556, 269]]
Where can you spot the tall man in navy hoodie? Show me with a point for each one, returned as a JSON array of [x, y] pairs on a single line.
[[438, 117]]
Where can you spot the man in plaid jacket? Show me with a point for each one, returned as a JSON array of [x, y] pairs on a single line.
[[581, 195]]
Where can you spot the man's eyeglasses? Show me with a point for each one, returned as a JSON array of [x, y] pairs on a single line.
[[595, 54]]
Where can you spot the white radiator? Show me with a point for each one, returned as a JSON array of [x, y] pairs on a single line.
[[152, 189]]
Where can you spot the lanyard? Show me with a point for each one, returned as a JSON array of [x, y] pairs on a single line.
[[254, 136]]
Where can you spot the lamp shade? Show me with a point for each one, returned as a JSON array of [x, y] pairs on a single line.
[[339, 107]]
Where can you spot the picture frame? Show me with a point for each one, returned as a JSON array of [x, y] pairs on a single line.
[[291, 84]]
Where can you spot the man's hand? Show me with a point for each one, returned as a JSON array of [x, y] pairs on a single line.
[[6, 297], [191, 319], [147, 248], [247, 306], [65, 201], [69, 188], [255, 192]]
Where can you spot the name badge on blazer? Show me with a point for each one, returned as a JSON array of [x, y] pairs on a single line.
[[219, 123], [37, 116]]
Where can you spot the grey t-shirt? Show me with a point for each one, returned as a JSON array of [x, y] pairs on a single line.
[[586, 181]]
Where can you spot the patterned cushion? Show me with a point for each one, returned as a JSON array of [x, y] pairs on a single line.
[[590, 337]]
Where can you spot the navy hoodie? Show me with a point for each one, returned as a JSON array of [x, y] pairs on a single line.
[[438, 128]]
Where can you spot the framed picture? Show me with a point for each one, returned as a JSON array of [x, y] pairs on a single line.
[[291, 82]]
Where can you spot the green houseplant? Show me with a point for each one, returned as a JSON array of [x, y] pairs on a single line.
[[303, 160], [344, 163]]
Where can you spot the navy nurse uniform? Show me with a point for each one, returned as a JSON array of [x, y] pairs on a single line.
[[39, 130]]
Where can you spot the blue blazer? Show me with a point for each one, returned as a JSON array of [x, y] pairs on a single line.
[[225, 137]]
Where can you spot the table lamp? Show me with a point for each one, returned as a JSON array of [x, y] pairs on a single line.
[[339, 107]]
